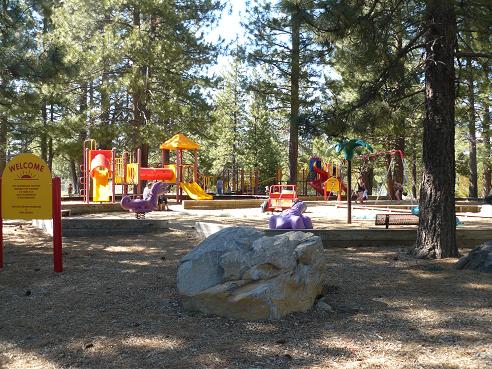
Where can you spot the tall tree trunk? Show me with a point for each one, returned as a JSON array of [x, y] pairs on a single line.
[[487, 170], [235, 125], [369, 179], [294, 98], [77, 160], [414, 174], [3, 143], [472, 135], [436, 235], [105, 138], [43, 139], [140, 112], [50, 138], [390, 182], [90, 121], [414, 143], [394, 166], [396, 173], [74, 175], [106, 135]]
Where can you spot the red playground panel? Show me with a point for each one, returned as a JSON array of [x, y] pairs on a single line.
[[281, 197]]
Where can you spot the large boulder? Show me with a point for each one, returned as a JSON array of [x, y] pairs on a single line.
[[240, 273], [480, 258]]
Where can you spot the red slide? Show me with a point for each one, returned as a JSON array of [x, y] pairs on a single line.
[[317, 184], [322, 177]]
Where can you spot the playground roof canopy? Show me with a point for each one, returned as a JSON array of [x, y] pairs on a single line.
[[179, 141]]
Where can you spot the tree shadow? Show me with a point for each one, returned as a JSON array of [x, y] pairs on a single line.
[[116, 305]]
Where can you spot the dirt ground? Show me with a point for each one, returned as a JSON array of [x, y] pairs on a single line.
[[116, 306]]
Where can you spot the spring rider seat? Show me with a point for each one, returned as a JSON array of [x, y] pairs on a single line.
[[291, 218]]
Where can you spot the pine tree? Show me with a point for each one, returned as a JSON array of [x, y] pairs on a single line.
[[281, 39], [228, 130], [263, 145]]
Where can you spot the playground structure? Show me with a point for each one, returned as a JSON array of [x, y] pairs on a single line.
[[106, 170], [241, 181], [281, 197], [326, 179]]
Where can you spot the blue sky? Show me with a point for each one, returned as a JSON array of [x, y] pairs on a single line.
[[228, 28]]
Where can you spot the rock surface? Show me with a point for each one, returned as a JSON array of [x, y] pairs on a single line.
[[240, 273], [480, 258]]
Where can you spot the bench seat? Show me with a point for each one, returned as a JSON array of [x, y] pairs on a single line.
[[396, 219]]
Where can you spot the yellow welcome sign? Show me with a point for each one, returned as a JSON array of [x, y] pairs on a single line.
[[26, 189]]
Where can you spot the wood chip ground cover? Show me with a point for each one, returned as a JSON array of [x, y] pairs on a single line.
[[116, 306]]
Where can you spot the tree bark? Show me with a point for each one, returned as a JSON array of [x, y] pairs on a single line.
[[294, 98], [43, 139], [396, 174], [436, 235], [106, 135], [76, 161], [472, 135], [74, 175], [50, 138], [141, 114], [369, 179], [3, 143], [414, 174], [390, 182], [487, 170]]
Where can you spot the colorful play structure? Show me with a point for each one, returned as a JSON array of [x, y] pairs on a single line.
[[326, 179], [281, 197], [102, 170]]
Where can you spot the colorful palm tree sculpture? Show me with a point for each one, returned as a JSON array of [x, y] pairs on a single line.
[[350, 148]]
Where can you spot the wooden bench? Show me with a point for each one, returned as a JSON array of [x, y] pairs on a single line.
[[396, 219]]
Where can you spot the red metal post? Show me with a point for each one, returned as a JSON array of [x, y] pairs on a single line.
[[139, 161], [87, 176], [1, 227], [57, 226], [195, 167], [113, 174], [125, 163], [180, 177]]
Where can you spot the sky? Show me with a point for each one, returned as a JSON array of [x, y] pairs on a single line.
[[228, 28], [229, 25]]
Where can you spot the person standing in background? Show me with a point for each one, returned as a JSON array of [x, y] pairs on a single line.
[[220, 185]]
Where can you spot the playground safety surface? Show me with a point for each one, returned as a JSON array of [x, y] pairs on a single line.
[[116, 306]]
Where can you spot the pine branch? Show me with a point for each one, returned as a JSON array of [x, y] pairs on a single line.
[[472, 55]]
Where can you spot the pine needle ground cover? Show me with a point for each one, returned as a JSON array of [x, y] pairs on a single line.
[[116, 306]]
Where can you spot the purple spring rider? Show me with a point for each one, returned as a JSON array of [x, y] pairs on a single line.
[[139, 206], [291, 218]]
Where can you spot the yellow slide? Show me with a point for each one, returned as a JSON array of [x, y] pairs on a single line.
[[101, 188], [195, 192]]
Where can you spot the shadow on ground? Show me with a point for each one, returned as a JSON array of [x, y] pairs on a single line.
[[116, 306]]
